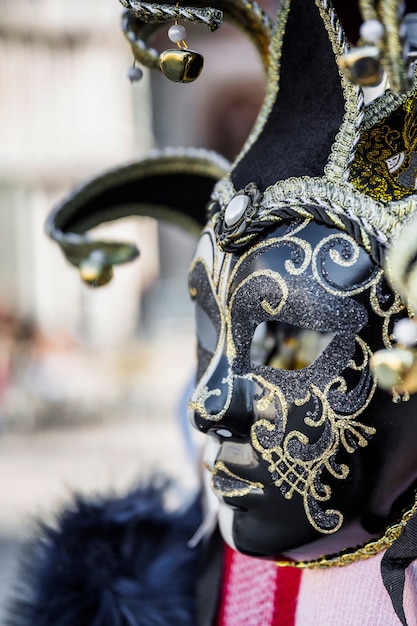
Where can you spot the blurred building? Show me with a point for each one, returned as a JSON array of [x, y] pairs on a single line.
[[66, 112]]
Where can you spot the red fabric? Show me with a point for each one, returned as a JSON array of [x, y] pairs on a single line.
[[227, 564], [257, 592], [286, 594]]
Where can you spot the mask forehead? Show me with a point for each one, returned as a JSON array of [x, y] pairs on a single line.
[[311, 283]]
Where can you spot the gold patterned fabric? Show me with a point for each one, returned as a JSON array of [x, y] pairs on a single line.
[[385, 163]]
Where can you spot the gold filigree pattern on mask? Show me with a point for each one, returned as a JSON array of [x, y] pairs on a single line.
[[343, 251], [377, 303], [298, 466], [294, 468], [234, 486]]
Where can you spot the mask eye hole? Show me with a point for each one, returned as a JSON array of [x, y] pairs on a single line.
[[206, 331], [206, 340], [287, 347]]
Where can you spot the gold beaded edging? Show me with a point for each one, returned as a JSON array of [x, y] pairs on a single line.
[[382, 107], [367, 551]]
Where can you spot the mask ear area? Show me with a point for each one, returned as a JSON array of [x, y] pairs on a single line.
[[172, 185], [309, 104]]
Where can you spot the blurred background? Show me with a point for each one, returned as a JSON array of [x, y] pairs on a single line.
[[93, 383]]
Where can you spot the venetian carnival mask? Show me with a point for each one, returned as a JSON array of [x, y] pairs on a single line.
[[307, 445], [310, 459]]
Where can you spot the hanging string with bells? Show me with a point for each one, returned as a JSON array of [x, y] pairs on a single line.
[[142, 20], [181, 65], [395, 368], [385, 50]]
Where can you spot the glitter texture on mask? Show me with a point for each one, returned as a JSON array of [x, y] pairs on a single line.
[[303, 423]]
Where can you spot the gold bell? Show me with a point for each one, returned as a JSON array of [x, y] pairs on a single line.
[[94, 271], [362, 66], [395, 370], [181, 65]]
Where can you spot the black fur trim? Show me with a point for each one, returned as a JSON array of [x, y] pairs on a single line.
[[113, 562]]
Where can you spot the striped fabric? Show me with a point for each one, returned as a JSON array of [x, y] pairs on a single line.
[[257, 593]]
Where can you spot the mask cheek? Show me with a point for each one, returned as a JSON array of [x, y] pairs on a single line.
[[309, 445]]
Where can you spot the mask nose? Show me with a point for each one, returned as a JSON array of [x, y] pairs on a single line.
[[223, 401]]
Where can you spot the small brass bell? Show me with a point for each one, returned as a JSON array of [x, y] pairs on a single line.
[[94, 271], [181, 65], [395, 370], [362, 66]]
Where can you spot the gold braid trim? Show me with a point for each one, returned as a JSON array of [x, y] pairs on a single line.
[[153, 13], [367, 551], [373, 224]]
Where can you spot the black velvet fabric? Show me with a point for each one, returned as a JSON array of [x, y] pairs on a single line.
[[112, 562], [128, 196], [309, 108]]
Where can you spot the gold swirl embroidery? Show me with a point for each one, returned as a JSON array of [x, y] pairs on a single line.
[[292, 472], [348, 257], [395, 307], [296, 466]]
